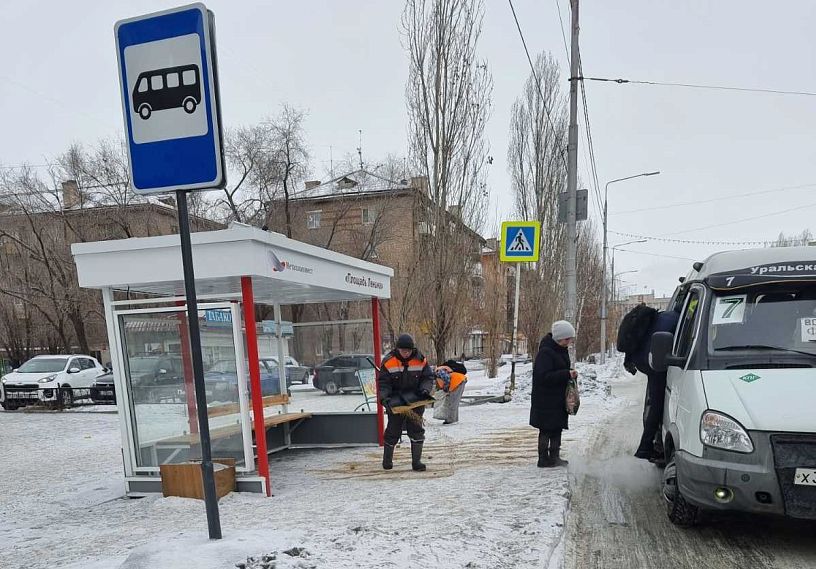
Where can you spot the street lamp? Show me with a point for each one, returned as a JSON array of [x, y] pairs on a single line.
[[603, 287], [614, 292], [612, 296]]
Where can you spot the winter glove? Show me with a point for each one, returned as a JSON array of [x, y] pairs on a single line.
[[425, 394], [630, 367]]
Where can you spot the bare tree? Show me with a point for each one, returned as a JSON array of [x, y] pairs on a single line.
[[448, 99], [537, 167], [590, 288], [802, 239], [492, 307], [267, 162]]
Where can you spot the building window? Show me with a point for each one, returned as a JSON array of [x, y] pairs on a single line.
[[313, 219], [369, 215]]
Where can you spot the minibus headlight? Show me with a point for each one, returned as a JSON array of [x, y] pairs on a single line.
[[721, 431]]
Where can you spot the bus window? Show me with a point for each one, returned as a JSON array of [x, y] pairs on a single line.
[[189, 77], [172, 80], [143, 85], [156, 82]]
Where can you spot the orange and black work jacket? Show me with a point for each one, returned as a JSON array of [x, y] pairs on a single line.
[[402, 381]]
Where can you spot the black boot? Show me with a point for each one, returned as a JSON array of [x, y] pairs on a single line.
[[543, 450], [416, 456], [388, 456], [555, 452]]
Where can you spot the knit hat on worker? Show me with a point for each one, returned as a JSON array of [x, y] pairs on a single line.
[[405, 342], [561, 330]]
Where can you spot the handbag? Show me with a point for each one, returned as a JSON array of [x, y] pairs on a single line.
[[572, 396]]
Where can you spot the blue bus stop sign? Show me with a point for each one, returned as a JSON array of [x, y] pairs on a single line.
[[169, 84]]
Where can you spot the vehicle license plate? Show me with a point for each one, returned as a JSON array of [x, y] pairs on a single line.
[[805, 477]]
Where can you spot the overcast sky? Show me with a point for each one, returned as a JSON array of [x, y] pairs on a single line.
[[342, 61]]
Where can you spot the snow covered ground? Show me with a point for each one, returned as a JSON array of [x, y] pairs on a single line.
[[482, 502]]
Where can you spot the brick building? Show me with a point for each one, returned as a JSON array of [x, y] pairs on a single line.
[[42, 307], [370, 217]]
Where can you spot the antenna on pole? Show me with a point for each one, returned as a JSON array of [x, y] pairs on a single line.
[[360, 148], [331, 161]]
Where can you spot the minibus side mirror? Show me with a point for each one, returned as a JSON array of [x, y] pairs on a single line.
[[660, 357]]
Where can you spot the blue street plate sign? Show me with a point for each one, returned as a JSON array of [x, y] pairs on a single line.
[[169, 84], [520, 241]]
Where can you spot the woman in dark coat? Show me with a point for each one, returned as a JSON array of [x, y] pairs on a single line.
[[551, 374]]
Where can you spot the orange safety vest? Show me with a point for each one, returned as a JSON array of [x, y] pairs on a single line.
[[456, 379]]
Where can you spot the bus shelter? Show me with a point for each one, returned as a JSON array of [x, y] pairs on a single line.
[[249, 397]]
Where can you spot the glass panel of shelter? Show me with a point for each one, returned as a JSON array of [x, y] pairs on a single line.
[[332, 349], [159, 380]]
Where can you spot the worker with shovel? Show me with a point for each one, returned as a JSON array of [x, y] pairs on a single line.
[[405, 380]]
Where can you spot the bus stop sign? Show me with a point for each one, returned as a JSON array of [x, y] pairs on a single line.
[[169, 84]]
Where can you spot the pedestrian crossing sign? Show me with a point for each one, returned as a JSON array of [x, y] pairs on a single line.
[[520, 241]]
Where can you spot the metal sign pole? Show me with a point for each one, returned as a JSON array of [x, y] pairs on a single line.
[[515, 330], [207, 473]]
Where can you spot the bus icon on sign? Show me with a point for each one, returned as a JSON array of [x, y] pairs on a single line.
[[168, 88]]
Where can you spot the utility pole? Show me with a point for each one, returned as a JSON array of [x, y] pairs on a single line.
[[570, 308]]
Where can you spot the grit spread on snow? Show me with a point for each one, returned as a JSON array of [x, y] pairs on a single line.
[[482, 502]]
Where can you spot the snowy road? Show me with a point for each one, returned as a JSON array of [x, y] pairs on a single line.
[[618, 517]]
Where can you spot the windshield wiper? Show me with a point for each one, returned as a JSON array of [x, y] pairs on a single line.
[[764, 347]]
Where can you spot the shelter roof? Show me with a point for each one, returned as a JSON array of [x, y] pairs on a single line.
[[282, 270]]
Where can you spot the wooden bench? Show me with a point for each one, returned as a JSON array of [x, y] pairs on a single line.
[[232, 430]]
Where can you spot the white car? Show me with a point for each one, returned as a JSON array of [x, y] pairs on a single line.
[[49, 379]]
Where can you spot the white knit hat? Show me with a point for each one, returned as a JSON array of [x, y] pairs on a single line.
[[561, 330]]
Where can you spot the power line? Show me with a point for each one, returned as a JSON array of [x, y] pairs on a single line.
[[20, 166], [701, 86], [590, 144], [688, 241], [563, 33], [593, 172], [744, 219], [535, 78], [655, 254], [728, 197]]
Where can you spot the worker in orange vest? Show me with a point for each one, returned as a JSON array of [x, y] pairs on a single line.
[[450, 382], [404, 378]]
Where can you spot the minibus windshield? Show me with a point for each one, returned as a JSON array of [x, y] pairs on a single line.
[[764, 318]]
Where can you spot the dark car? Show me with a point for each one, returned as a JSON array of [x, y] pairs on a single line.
[[221, 380], [339, 374], [295, 373], [103, 390], [155, 378]]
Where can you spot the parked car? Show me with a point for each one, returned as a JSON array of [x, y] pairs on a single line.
[[103, 390], [49, 379], [339, 374], [295, 373], [221, 380], [155, 377]]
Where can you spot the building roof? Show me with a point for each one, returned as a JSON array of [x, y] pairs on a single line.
[[359, 182]]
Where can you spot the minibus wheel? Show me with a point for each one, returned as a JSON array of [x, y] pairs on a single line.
[[145, 111], [680, 512], [189, 105]]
